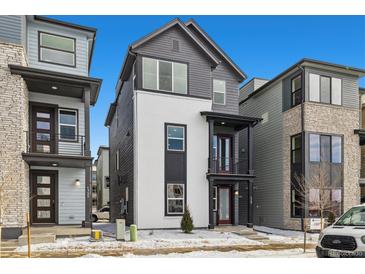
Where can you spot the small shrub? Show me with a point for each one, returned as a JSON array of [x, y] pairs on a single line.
[[187, 222]]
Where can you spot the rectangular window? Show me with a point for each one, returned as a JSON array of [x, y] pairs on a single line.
[[325, 89], [336, 149], [175, 198], [175, 138], [117, 160], [314, 148], [314, 93], [296, 148], [296, 172], [126, 199], [57, 49], [67, 125], [296, 90], [215, 199], [219, 92], [164, 75]]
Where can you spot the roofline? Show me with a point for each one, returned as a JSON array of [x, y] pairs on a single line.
[[99, 149], [362, 90], [110, 114], [230, 116], [165, 27], [259, 78], [298, 64], [191, 21], [65, 24]]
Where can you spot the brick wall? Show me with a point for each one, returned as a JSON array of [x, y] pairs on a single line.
[[13, 124]]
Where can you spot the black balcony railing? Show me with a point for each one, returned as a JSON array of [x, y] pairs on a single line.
[[228, 165], [61, 144]]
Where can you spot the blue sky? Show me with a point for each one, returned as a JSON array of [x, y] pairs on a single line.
[[263, 46]]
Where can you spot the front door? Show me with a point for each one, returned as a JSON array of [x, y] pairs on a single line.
[[43, 196], [224, 205], [43, 136]]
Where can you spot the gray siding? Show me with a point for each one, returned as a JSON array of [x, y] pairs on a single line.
[[81, 48], [251, 86], [350, 86], [11, 28], [268, 184], [121, 139], [199, 68], [200, 73]]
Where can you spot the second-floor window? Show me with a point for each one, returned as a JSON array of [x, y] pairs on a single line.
[[296, 90], [325, 89], [57, 49], [164, 75], [68, 125], [219, 92], [175, 138], [325, 148]]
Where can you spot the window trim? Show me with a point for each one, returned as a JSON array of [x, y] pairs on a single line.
[[158, 75], [167, 137], [76, 111], [293, 92], [54, 63], [320, 89], [224, 93], [167, 200]]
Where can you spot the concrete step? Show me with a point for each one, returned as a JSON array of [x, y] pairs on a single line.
[[257, 238], [245, 232], [37, 239]]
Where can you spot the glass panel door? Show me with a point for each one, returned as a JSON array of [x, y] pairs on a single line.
[[43, 196], [224, 153], [42, 130], [224, 210]]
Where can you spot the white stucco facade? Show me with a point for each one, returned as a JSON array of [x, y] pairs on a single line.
[[152, 111]]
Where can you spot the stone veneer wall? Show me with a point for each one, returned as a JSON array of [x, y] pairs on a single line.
[[291, 126], [13, 124], [323, 119], [340, 120]]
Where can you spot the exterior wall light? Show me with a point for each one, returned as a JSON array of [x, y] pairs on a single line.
[[236, 193], [77, 182]]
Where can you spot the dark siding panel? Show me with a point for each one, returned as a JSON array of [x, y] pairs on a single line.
[[243, 203], [121, 138], [199, 67]]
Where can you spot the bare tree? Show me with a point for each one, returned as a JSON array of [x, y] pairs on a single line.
[[319, 194]]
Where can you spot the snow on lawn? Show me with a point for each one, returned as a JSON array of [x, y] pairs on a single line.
[[286, 236], [148, 239], [288, 253]]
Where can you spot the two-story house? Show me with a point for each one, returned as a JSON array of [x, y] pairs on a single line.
[[173, 133], [310, 129], [46, 94]]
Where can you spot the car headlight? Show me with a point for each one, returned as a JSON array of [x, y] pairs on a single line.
[[363, 239]]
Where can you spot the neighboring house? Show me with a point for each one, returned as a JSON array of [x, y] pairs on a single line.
[[102, 176], [94, 194], [173, 133], [46, 95], [310, 117]]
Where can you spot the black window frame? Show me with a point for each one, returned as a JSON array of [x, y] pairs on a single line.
[[320, 147], [294, 166], [320, 89], [55, 63], [77, 136], [294, 92]]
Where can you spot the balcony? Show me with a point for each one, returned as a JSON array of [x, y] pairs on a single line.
[[228, 165], [48, 149]]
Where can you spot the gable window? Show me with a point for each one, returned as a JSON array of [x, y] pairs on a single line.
[[219, 92], [175, 199], [164, 75], [57, 49], [68, 125], [175, 138], [296, 90], [325, 89]]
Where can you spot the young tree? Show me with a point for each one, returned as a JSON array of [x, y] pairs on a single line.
[[187, 222], [315, 193]]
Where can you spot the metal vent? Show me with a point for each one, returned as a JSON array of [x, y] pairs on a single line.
[[175, 45]]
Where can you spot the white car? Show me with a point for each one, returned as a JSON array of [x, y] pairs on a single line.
[[102, 214], [346, 237]]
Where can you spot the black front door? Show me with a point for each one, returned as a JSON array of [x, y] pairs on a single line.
[[43, 130], [43, 203]]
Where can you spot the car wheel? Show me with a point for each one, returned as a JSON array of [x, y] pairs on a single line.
[[94, 218]]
